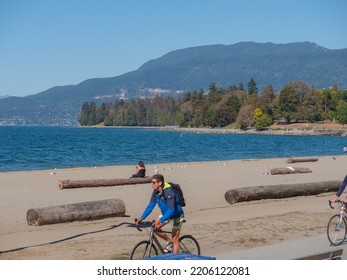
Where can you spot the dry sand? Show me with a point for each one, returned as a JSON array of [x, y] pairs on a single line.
[[218, 226]]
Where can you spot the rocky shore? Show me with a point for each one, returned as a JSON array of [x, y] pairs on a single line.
[[321, 129]]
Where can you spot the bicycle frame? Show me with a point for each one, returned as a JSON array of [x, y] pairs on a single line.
[[343, 213], [153, 238]]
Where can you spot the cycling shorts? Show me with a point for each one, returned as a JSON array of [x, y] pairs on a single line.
[[176, 222]]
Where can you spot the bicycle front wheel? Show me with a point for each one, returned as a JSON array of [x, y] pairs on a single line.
[[336, 230], [189, 245], [143, 250]]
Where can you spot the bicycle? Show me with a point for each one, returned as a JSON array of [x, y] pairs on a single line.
[[337, 226], [152, 247]]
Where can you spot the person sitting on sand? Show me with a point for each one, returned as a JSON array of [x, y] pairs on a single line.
[[140, 171]]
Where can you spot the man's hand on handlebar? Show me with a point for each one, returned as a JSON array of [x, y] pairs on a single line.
[[138, 221], [337, 200]]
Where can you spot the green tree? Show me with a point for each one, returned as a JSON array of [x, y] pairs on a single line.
[[102, 112], [83, 118], [88, 115], [222, 116], [288, 104], [261, 120], [300, 88], [213, 88], [108, 121], [233, 103], [185, 114], [312, 107], [341, 111], [241, 86], [252, 87]]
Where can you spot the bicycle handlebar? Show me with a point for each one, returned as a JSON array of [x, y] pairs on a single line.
[[137, 225], [149, 223], [145, 222], [338, 201]]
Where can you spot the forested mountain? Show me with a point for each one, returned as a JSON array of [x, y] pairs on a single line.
[[182, 71]]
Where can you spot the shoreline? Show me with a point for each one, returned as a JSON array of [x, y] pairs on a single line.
[[291, 129], [218, 226], [296, 129], [285, 132]]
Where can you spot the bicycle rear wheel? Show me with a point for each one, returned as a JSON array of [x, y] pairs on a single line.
[[143, 250], [189, 245], [336, 230]]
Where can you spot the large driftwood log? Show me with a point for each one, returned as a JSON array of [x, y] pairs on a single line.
[[84, 211], [289, 170], [70, 184], [295, 160], [280, 191]]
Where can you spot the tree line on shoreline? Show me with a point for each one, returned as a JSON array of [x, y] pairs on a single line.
[[232, 107]]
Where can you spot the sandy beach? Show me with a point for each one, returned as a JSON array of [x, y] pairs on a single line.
[[218, 226]]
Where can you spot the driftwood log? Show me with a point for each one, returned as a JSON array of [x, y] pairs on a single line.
[[84, 211], [280, 191], [289, 170], [295, 160], [70, 184]]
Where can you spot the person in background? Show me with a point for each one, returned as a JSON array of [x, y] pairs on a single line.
[[140, 171], [167, 200]]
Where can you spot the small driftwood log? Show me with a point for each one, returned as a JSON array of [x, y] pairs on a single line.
[[289, 170], [84, 211], [280, 191], [295, 160], [70, 184]]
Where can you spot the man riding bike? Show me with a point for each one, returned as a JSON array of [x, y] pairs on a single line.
[[167, 200]]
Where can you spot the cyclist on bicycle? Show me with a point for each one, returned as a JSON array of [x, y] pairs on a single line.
[[340, 190], [167, 200]]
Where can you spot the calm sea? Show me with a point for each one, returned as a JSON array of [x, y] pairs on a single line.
[[32, 148]]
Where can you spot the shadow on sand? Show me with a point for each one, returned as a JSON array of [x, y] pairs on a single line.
[[69, 238]]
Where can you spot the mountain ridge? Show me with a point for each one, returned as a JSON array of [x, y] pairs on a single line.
[[184, 70]]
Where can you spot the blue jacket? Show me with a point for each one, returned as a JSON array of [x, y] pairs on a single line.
[[342, 186], [167, 202]]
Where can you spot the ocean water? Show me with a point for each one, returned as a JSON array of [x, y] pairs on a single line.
[[33, 148]]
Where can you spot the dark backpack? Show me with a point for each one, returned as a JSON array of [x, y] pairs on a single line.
[[178, 191]]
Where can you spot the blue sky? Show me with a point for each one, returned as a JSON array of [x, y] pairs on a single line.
[[46, 43]]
